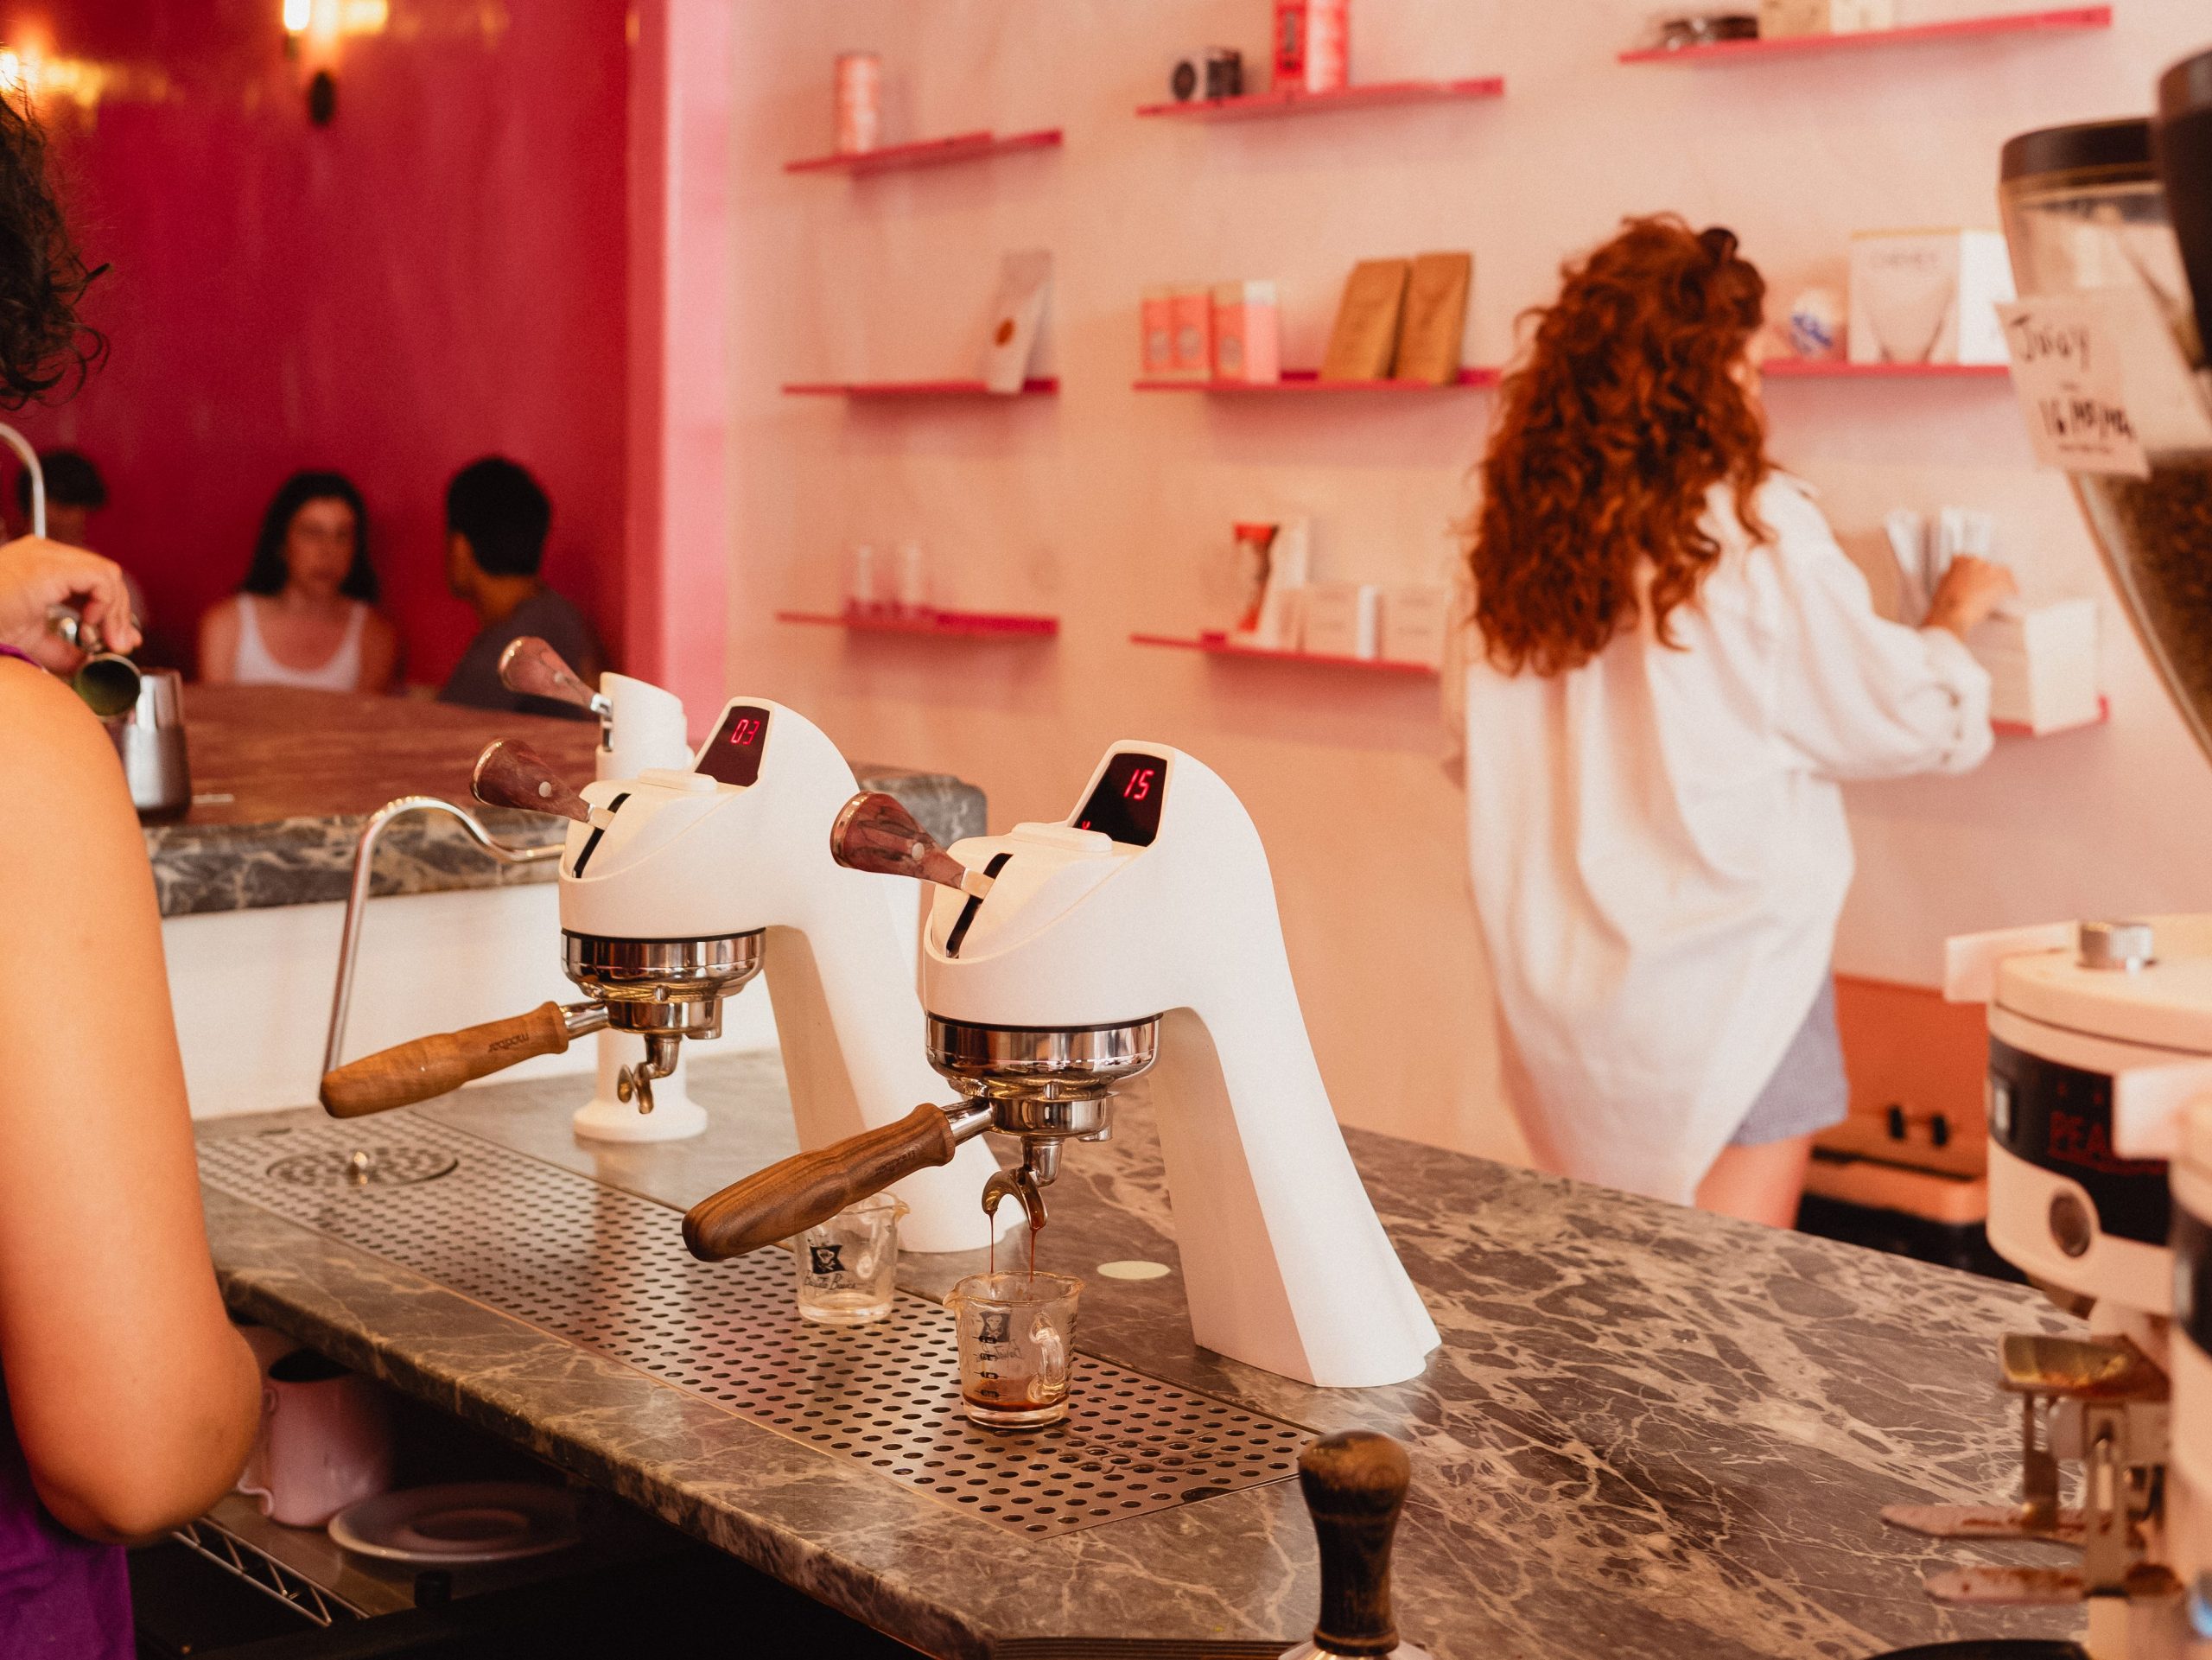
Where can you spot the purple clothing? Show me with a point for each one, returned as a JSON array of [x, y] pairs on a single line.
[[61, 1598], [9, 651]]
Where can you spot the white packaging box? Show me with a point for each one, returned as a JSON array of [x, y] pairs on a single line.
[[2043, 665], [1281, 609], [1780, 19], [1928, 296], [1414, 621], [1343, 619]]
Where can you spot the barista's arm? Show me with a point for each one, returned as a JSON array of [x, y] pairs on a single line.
[[1856, 696], [133, 1398]]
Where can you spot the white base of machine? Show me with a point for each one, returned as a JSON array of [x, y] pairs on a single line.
[[608, 1118]]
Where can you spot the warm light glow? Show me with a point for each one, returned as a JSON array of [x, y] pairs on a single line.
[[363, 16], [298, 14], [12, 80]]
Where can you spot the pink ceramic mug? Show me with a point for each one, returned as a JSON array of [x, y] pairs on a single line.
[[325, 1441]]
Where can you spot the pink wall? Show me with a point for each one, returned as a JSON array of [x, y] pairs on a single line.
[[438, 274]]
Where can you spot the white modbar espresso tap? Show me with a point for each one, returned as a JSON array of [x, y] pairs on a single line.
[[1061, 960], [641, 725], [680, 885]]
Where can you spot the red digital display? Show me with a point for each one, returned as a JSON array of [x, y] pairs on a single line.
[[1125, 803], [733, 754]]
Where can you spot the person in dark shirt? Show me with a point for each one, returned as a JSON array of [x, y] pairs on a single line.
[[496, 521], [74, 491]]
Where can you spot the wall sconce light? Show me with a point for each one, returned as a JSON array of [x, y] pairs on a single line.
[[313, 29]]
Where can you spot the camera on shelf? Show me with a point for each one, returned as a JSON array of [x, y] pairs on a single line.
[[1218, 72]]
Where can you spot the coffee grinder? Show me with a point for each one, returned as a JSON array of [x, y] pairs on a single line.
[[1062, 960], [2100, 1083]]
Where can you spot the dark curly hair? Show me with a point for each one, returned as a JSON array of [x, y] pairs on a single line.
[[1625, 413], [42, 340], [269, 572]]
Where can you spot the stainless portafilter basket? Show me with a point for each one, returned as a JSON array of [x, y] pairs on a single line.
[[664, 990], [1042, 1087]]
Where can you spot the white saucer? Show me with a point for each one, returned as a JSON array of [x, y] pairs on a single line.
[[462, 1522]]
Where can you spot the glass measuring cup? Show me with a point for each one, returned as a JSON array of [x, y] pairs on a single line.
[[848, 1265], [1017, 1347]]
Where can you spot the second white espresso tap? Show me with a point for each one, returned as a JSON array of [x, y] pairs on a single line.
[[1062, 959]]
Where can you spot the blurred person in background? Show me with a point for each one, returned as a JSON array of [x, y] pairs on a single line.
[[497, 519], [306, 614], [1674, 670], [74, 491]]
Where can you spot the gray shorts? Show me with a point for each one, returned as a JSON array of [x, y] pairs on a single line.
[[1808, 1091]]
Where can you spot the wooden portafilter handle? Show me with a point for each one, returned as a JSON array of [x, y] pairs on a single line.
[[874, 832], [510, 773], [418, 1071], [1355, 1484], [531, 667], [811, 1187]]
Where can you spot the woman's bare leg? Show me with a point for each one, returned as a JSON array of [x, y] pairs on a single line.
[[1760, 1184]]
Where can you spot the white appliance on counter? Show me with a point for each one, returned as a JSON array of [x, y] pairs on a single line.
[[739, 845], [1060, 961], [1155, 899]]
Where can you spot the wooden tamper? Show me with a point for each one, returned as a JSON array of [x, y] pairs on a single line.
[[1355, 1484]]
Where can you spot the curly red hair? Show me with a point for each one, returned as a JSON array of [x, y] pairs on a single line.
[[1626, 411]]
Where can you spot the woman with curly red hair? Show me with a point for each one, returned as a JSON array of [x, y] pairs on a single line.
[[1675, 668]]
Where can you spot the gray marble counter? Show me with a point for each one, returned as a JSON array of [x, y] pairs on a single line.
[[284, 780], [1649, 1432]]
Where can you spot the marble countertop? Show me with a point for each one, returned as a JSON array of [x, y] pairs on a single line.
[[1649, 1433], [282, 781]]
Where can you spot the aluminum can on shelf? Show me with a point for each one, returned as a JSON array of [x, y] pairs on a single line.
[[860, 102]]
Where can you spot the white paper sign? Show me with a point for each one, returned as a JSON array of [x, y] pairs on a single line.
[[2072, 382]]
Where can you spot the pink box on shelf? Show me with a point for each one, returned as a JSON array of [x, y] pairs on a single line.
[[1156, 333], [1191, 318], [1247, 333], [1328, 45]]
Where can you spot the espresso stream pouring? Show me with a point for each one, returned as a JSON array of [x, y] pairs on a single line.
[[1140, 935]]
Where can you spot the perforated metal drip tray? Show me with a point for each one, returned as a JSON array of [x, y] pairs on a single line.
[[608, 1270]]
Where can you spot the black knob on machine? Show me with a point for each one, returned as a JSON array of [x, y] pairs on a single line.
[[1355, 1484]]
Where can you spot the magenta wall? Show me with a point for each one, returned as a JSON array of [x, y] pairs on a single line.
[[439, 274]]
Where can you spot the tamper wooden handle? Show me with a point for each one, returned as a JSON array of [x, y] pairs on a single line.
[[874, 832], [409, 1072], [512, 774], [1355, 1484], [811, 1187], [536, 670]]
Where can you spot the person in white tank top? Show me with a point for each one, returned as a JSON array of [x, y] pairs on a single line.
[[305, 615]]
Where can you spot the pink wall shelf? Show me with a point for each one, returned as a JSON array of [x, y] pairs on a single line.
[[1309, 380], [1219, 645], [1034, 387], [2070, 19], [1374, 95], [939, 625], [1832, 369], [929, 152], [2014, 729]]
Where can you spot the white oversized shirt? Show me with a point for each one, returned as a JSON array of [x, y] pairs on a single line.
[[1658, 844]]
